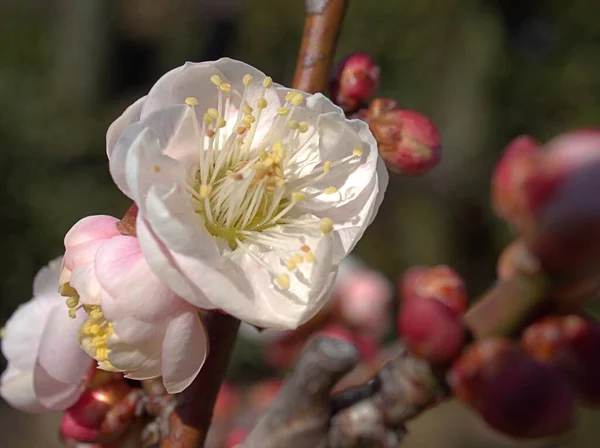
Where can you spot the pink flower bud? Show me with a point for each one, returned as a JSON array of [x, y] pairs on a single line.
[[408, 141], [513, 393], [430, 329], [571, 344], [509, 176], [353, 81], [441, 283], [363, 302]]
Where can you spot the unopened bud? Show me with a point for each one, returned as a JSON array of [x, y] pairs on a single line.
[[431, 330], [441, 283], [513, 393], [408, 141], [572, 345], [353, 81]]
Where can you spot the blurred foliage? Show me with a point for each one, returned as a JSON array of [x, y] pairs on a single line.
[[484, 70]]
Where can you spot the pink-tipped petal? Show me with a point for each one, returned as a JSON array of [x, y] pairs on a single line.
[[125, 275], [184, 351], [91, 228]]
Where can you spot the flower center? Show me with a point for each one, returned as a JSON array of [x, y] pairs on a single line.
[[242, 186]]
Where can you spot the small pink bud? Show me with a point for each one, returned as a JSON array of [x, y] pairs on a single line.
[[353, 81], [571, 344], [441, 283], [509, 176], [408, 141], [430, 329], [363, 302], [513, 393]]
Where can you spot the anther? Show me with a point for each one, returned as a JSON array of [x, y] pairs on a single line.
[[212, 112], [247, 109], [293, 124], [247, 80], [205, 191], [261, 103], [191, 101], [283, 111], [327, 166], [330, 190], [310, 257], [225, 87], [72, 313], [72, 302], [221, 123], [305, 248], [216, 80], [326, 225], [283, 281], [267, 82], [297, 99], [357, 152], [298, 196], [303, 127]]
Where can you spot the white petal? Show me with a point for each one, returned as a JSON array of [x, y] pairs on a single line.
[[151, 368], [24, 332], [130, 357], [16, 387], [131, 115], [133, 331], [46, 280], [165, 267], [59, 352], [184, 351], [84, 280]]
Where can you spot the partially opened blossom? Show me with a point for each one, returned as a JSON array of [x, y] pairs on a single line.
[[134, 325], [249, 194], [47, 370]]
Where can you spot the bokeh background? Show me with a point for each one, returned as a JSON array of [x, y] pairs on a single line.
[[483, 70]]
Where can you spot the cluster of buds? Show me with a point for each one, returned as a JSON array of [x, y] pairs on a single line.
[[408, 141], [548, 194]]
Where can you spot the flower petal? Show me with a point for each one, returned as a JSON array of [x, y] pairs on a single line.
[[46, 280], [151, 368], [16, 387], [131, 115], [184, 351], [91, 228], [123, 272], [59, 353], [24, 331], [53, 394]]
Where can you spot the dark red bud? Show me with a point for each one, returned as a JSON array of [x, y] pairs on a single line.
[[353, 81], [572, 345], [441, 283], [431, 330], [513, 393], [408, 141]]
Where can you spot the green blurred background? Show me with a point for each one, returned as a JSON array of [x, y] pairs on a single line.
[[484, 70]]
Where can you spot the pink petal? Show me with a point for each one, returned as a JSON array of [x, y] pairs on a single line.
[[24, 331], [59, 353], [54, 394], [84, 280], [16, 387], [124, 274], [82, 254], [184, 351], [134, 331], [91, 228]]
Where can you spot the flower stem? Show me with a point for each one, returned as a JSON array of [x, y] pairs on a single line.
[[189, 423], [321, 30]]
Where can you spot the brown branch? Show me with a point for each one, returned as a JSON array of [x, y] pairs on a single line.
[[321, 30], [189, 423]]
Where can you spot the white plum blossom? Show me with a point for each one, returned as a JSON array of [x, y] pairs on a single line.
[[47, 370], [250, 194], [135, 324]]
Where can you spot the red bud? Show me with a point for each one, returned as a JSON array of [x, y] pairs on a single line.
[[513, 393], [353, 81], [441, 283], [72, 431], [408, 141], [571, 344], [431, 330]]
